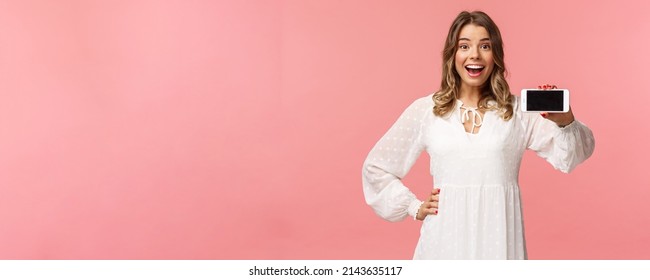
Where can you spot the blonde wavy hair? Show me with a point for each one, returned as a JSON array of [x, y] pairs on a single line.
[[496, 90]]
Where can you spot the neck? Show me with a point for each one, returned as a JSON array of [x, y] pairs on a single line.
[[470, 95]]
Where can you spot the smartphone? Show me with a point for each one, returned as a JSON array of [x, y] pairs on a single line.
[[547, 100]]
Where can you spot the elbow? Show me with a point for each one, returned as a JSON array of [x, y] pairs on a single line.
[[365, 169], [567, 165], [383, 209], [584, 150], [393, 219], [372, 174], [566, 169], [388, 215]]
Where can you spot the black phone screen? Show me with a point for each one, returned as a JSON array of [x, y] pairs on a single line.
[[545, 100]]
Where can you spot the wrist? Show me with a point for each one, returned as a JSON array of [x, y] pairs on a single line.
[[414, 208], [564, 124]]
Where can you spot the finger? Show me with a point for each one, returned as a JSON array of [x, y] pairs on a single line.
[[431, 211], [544, 114], [554, 87], [431, 204], [435, 193]]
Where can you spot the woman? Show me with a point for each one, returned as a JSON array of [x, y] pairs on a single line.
[[476, 135]]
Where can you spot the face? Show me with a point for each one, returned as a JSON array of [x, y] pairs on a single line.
[[474, 61]]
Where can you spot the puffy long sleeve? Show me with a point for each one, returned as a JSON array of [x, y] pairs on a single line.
[[564, 148], [391, 159]]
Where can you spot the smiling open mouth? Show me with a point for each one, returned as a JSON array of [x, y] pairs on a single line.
[[474, 70]]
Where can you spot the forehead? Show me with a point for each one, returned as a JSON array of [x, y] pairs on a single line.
[[473, 32]]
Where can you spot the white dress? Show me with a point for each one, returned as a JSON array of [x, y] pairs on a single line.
[[479, 215]]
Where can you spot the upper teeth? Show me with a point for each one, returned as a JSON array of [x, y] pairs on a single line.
[[475, 66]]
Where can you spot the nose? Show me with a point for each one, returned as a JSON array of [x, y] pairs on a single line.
[[474, 54]]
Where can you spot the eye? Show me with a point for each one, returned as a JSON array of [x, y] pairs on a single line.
[[463, 47], [486, 47]]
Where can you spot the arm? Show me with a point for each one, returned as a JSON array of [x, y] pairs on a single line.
[[391, 159], [559, 138]]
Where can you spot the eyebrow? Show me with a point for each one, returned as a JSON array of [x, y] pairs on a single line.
[[465, 39]]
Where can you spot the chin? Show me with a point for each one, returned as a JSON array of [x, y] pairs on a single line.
[[474, 83]]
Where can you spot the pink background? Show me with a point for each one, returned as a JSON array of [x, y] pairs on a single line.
[[237, 129]]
